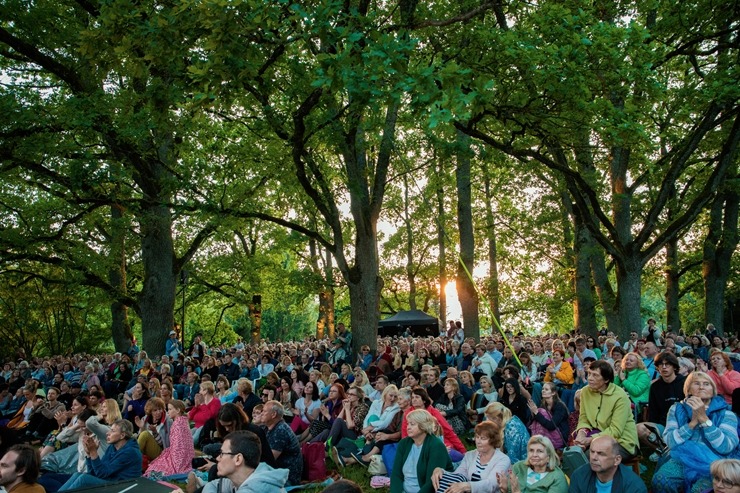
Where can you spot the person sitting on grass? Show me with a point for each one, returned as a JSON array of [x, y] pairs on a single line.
[[178, 455], [121, 461], [240, 469]]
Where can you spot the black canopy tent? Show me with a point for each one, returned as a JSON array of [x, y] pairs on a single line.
[[419, 323]]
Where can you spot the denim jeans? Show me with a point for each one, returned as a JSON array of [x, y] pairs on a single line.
[[81, 480]]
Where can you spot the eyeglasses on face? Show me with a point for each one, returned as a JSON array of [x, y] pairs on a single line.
[[227, 453], [723, 482]]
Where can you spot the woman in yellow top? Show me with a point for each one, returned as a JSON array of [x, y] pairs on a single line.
[[560, 372]]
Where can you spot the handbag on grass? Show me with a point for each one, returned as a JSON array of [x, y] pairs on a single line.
[[376, 467]]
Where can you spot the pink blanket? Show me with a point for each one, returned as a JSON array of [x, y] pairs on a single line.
[[178, 457]]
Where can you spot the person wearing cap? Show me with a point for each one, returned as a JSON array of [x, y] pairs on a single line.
[[338, 355], [173, 348], [344, 335]]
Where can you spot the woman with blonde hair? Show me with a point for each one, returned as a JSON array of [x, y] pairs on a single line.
[[699, 430], [539, 473], [325, 376], [479, 469], [515, 433], [725, 476], [206, 407], [418, 455], [634, 378], [154, 387], [467, 385], [361, 380], [483, 396]]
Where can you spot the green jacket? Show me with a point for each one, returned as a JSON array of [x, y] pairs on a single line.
[[433, 455], [611, 413], [554, 482], [637, 384]]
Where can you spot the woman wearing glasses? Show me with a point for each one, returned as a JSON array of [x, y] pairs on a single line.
[[725, 476], [348, 424], [364, 358], [699, 430]]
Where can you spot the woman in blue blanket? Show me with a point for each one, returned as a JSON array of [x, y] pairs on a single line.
[[700, 429]]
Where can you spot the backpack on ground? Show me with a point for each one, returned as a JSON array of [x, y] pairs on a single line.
[[573, 458], [314, 461]]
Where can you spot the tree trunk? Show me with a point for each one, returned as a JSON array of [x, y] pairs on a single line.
[[441, 244], [325, 320], [672, 285], [120, 327], [364, 291], [330, 316], [604, 289], [493, 284], [579, 247], [719, 246], [410, 275], [157, 299], [629, 295], [465, 287], [584, 311]]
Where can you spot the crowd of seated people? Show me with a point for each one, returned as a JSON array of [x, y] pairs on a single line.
[[519, 400]]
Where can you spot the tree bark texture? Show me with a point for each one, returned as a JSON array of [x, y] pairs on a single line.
[[441, 244], [672, 286], [120, 326], [465, 287], [493, 283], [157, 299], [719, 246]]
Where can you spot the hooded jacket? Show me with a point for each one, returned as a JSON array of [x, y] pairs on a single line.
[[264, 479], [610, 412]]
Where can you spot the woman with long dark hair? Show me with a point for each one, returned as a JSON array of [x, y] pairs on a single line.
[[513, 399], [306, 409], [328, 412], [551, 418]]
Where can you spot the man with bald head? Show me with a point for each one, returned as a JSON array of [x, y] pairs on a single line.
[[605, 473]]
